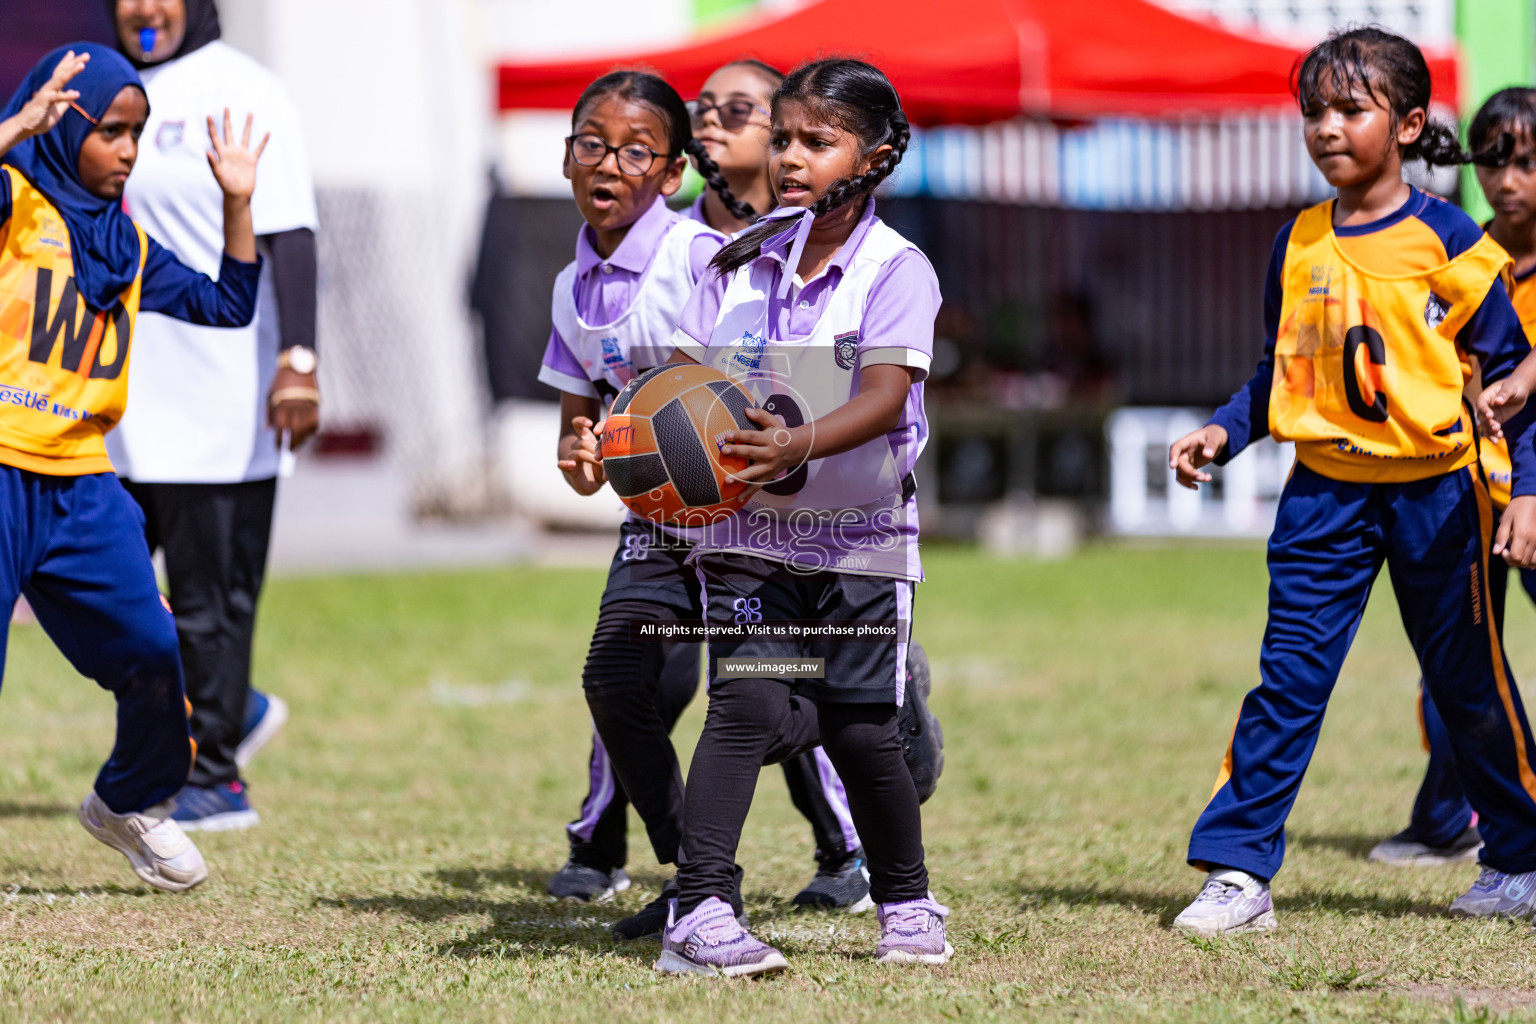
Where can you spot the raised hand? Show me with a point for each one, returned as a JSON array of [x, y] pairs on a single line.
[[234, 163], [48, 104], [1195, 450]]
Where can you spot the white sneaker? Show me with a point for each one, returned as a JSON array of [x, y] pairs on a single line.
[[156, 847], [1232, 902]]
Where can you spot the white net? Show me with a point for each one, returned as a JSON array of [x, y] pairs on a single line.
[[399, 358]]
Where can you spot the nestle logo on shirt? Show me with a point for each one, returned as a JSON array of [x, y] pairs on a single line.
[[613, 355], [1322, 279]]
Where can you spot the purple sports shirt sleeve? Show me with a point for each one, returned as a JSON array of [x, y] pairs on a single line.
[[561, 369], [698, 320], [899, 315]]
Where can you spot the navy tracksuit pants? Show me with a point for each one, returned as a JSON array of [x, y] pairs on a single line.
[[1330, 540], [1440, 811], [74, 545]]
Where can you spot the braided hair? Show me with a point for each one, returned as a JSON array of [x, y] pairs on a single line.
[[1391, 69], [856, 97], [654, 92]]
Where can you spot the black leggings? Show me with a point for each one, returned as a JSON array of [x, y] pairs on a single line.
[[745, 729], [622, 681]]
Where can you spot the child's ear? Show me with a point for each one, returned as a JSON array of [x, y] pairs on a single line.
[[674, 179], [1411, 126], [565, 162], [875, 159]]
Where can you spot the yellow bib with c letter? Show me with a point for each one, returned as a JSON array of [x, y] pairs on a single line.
[[63, 366], [1368, 375]]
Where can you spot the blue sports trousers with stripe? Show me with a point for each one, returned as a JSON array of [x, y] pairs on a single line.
[[1330, 540], [74, 545]]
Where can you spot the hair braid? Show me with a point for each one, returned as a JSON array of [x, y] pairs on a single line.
[[857, 98], [711, 173]]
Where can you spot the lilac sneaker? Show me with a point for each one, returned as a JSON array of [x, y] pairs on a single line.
[[1496, 894], [912, 932], [1232, 902], [710, 941]]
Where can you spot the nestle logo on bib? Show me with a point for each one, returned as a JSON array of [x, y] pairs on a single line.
[[845, 348], [168, 135]]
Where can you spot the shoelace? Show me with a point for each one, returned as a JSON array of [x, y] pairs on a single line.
[[1490, 879], [908, 920], [719, 930], [1220, 892]]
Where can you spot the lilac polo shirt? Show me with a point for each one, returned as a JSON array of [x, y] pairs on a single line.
[[897, 328], [606, 288]]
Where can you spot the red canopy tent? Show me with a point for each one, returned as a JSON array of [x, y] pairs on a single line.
[[974, 61]]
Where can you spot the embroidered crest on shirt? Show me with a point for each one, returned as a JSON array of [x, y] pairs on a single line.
[[168, 135], [1435, 310], [845, 348]]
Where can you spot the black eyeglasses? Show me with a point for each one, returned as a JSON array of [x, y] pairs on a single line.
[[590, 150], [733, 114]]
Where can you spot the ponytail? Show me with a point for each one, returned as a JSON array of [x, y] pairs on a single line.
[[1388, 67]]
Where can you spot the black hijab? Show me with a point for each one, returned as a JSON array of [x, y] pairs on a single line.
[[202, 29]]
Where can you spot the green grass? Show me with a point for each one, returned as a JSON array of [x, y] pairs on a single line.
[[413, 809]]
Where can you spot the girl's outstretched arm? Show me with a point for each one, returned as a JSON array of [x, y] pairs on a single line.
[[234, 168], [47, 105]]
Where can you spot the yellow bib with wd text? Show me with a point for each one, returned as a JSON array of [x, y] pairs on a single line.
[[1368, 376], [63, 365]]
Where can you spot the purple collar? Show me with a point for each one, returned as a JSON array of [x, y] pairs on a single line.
[[639, 245]]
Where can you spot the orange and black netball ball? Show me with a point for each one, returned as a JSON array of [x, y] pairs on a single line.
[[661, 445]]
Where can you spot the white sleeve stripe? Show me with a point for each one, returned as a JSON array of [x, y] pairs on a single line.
[[565, 382], [686, 343], [900, 356]]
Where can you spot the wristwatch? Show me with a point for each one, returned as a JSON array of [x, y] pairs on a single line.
[[298, 359]]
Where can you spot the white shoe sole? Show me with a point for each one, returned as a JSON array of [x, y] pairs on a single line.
[[902, 956], [864, 904], [142, 866], [675, 963], [271, 722], [1427, 860], [1265, 922], [229, 821]]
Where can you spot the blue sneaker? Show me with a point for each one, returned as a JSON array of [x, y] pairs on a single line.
[[1496, 894], [214, 808], [264, 716]]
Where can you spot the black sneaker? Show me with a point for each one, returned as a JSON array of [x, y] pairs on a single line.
[[922, 740], [839, 885], [587, 884], [652, 918], [1405, 850]]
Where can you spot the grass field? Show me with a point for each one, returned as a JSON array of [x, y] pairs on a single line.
[[413, 809]]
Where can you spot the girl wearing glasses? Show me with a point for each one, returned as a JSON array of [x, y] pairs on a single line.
[[730, 121], [615, 308]]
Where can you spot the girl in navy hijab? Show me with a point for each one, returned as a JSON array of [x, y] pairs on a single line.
[[75, 271]]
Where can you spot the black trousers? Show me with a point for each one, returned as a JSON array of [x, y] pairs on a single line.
[[743, 730], [215, 538], [621, 682]]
